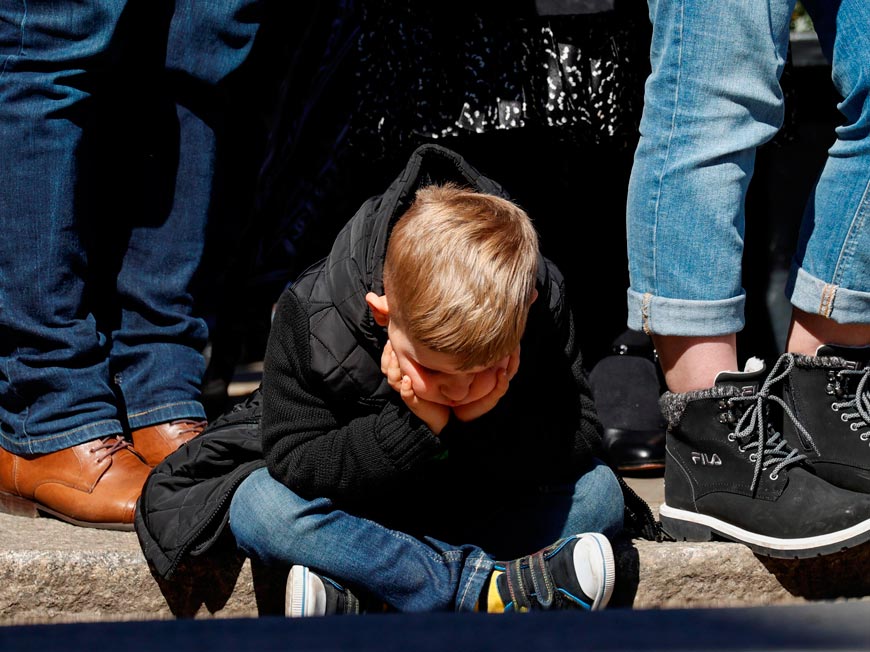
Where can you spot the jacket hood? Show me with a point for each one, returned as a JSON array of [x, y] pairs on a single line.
[[345, 340], [356, 260]]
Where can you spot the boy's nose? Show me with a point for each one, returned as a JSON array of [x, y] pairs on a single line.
[[457, 388]]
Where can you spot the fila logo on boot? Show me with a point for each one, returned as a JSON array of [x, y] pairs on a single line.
[[706, 460]]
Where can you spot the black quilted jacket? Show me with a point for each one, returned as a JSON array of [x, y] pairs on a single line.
[[184, 504]]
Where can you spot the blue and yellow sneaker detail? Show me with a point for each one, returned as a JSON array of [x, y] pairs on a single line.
[[576, 572]]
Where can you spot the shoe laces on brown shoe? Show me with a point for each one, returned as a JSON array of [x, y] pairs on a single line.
[[108, 447], [154, 443]]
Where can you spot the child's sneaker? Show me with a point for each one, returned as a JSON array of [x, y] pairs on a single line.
[[574, 573], [310, 594]]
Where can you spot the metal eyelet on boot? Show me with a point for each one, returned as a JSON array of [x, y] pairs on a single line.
[[820, 398], [830, 388], [836, 385], [753, 457], [726, 415], [774, 476]]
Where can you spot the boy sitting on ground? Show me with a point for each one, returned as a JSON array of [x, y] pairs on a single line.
[[426, 414]]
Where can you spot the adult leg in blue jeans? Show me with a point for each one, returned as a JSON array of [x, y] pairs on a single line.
[[276, 527], [62, 432], [156, 349], [712, 99]]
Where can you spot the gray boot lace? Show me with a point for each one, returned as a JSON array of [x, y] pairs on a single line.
[[770, 449]]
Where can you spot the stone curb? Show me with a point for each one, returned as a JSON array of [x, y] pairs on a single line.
[[51, 572]]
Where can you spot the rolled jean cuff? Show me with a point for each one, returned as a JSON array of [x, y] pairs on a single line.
[[814, 296], [66, 439], [663, 316], [478, 567], [165, 413]]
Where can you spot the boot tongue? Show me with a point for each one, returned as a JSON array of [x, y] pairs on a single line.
[[747, 381], [857, 354]]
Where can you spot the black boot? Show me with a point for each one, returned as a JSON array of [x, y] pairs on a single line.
[[829, 395], [730, 474]]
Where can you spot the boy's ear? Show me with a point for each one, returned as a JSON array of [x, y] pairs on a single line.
[[534, 296], [379, 307]]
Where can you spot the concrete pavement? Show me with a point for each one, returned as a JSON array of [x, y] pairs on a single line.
[[51, 572]]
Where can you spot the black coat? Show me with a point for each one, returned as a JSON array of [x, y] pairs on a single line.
[[184, 504]]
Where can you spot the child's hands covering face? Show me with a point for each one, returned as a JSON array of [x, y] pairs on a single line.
[[506, 369], [491, 384], [432, 414]]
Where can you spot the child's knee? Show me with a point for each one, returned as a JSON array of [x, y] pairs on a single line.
[[245, 516], [265, 515], [605, 492], [257, 505]]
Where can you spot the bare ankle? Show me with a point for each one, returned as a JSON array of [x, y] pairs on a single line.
[[808, 332], [691, 363]]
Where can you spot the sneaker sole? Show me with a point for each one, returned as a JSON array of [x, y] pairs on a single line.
[[691, 526], [593, 559], [300, 598]]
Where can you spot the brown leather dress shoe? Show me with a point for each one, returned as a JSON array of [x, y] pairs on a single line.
[[154, 443], [95, 484]]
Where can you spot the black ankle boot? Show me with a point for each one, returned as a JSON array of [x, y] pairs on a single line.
[[829, 395], [729, 473]]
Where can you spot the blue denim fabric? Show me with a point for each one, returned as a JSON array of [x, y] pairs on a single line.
[[61, 359], [830, 274], [712, 98], [415, 574]]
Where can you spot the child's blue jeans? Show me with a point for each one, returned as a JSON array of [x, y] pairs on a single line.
[[414, 574]]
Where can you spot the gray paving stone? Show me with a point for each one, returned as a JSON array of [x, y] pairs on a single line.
[[51, 572], [54, 572]]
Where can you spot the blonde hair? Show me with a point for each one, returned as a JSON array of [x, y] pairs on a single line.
[[460, 273]]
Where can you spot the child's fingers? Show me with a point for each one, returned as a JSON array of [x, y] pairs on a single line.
[[406, 390], [386, 358], [485, 404], [502, 382], [394, 373]]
